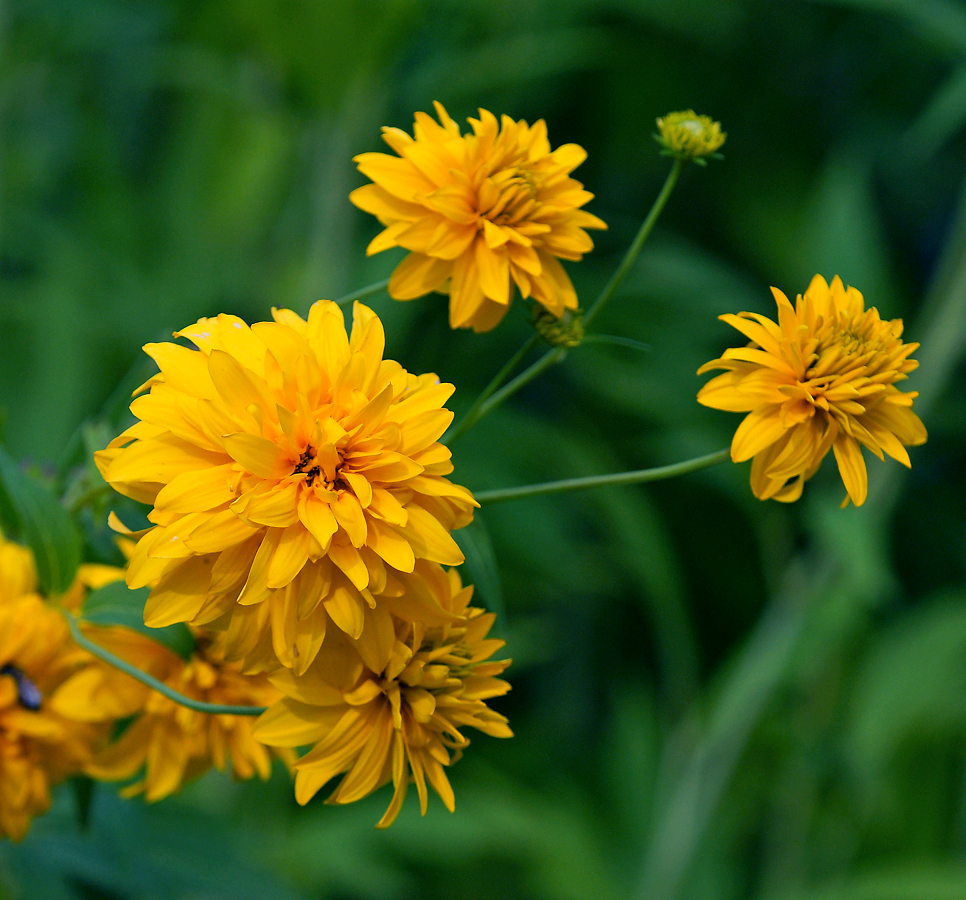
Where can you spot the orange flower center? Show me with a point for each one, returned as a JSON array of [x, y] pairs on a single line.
[[857, 345], [321, 464], [517, 197]]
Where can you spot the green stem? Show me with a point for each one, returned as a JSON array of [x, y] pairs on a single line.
[[136, 673], [474, 412], [642, 235], [525, 377], [638, 476], [362, 293], [556, 355], [616, 341]]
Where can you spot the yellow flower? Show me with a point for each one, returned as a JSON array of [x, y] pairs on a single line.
[[39, 745], [686, 135], [18, 574], [822, 378], [402, 720], [172, 743], [479, 212], [294, 475]]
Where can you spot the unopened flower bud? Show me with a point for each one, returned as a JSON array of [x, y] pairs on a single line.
[[686, 135], [567, 331]]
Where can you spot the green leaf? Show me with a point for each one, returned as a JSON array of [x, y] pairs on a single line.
[[474, 541], [32, 514], [117, 604]]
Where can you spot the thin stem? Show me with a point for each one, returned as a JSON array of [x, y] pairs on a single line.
[[557, 354], [151, 682], [616, 341], [362, 293], [638, 476], [646, 228], [473, 413], [525, 377]]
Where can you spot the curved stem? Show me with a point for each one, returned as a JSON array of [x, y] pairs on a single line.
[[638, 476], [474, 412], [642, 235], [151, 682], [362, 293]]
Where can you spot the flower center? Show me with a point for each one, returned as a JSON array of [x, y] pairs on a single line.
[[28, 694], [518, 196], [322, 465]]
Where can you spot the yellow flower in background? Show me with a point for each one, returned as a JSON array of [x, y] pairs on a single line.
[[822, 378], [479, 213], [398, 722], [39, 744], [18, 574], [171, 743], [294, 474]]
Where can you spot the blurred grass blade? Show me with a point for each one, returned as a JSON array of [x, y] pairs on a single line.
[[117, 604], [941, 22], [939, 121], [474, 541], [30, 513], [750, 685]]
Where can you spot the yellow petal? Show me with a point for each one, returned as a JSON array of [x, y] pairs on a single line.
[[317, 517], [259, 455], [758, 430], [418, 275], [346, 608], [348, 513], [391, 546], [848, 455], [290, 556], [197, 490], [429, 539], [289, 723]]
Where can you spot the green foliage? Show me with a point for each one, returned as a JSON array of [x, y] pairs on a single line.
[[31, 514], [714, 698]]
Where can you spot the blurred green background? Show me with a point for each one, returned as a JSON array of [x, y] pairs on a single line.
[[714, 698]]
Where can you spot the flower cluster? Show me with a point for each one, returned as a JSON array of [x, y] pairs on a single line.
[[479, 213], [301, 525], [171, 743], [41, 743], [821, 378], [392, 722]]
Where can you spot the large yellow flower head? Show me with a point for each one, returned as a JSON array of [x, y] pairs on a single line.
[[39, 745], [822, 378], [479, 213], [294, 475], [171, 743], [402, 721]]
